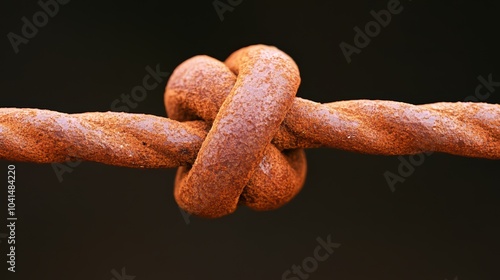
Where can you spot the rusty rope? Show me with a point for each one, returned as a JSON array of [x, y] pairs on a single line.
[[223, 117]]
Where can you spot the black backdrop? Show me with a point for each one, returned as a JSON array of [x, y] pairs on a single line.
[[440, 223]]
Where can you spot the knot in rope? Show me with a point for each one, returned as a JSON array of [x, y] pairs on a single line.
[[245, 99], [237, 132]]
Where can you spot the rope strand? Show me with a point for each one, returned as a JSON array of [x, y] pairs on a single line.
[[237, 132]]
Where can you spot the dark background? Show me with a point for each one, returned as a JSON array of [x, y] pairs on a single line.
[[441, 223]]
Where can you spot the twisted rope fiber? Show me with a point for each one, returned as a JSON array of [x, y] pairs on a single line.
[[237, 131]]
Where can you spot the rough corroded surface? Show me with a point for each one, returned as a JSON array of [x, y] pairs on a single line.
[[260, 84], [237, 131]]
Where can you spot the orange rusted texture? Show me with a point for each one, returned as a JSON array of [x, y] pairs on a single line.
[[236, 160], [237, 132]]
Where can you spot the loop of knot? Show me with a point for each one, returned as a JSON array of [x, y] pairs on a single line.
[[245, 99]]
